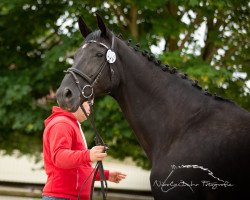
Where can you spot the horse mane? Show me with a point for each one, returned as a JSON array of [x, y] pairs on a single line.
[[96, 35], [171, 70]]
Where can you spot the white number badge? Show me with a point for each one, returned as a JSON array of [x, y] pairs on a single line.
[[110, 56]]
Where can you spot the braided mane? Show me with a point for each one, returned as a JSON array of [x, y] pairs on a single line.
[[169, 69]]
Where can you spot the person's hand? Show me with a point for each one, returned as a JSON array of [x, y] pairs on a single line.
[[97, 153], [116, 177]]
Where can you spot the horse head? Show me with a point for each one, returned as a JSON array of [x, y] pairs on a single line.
[[92, 72]]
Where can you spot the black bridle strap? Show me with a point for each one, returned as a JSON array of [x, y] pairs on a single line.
[[84, 76], [98, 139], [91, 82], [113, 43], [75, 78], [80, 191], [102, 180], [99, 166], [74, 71]]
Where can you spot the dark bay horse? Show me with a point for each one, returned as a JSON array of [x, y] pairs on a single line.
[[198, 144]]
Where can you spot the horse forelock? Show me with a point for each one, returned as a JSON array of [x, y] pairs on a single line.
[[96, 35]]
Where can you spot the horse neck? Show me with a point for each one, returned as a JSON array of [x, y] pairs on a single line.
[[154, 102]]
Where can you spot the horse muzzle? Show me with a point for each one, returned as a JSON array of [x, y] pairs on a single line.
[[67, 99]]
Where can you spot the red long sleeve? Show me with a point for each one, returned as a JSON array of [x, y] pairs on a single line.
[[106, 174], [62, 155], [66, 157]]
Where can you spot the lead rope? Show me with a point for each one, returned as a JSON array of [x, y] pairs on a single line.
[[99, 164]]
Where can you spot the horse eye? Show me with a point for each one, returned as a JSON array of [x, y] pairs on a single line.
[[99, 54]]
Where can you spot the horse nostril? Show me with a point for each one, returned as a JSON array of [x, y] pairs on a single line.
[[67, 93]]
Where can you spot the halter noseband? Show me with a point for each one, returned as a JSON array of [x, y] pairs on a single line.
[[110, 58]]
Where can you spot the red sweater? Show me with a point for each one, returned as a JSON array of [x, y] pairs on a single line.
[[66, 158]]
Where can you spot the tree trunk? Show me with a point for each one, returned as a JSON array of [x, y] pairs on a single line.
[[209, 48], [133, 26], [171, 42]]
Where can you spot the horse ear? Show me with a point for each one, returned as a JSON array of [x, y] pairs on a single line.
[[101, 25], [83, 27]]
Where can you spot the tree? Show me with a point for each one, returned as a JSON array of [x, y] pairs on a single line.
[[38, 40]]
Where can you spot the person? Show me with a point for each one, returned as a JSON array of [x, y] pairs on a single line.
[[67, 160]]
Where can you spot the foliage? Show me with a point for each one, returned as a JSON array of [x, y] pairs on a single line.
[[38, 40]]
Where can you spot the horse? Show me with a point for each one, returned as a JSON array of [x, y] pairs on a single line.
[[198, 143]]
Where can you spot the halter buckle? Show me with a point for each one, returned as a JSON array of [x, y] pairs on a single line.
[[83, 91]]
